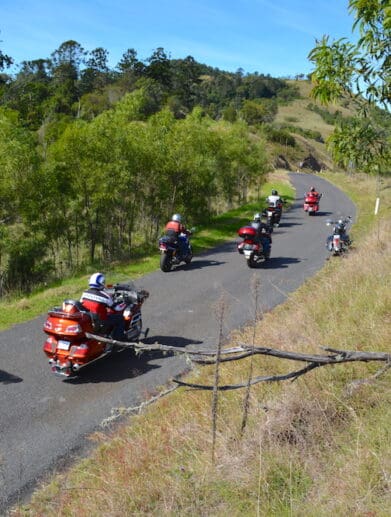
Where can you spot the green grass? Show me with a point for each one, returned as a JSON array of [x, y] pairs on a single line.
[[219, 230]]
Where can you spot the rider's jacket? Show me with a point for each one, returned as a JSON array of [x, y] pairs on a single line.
[[174, 226], [274, 200], [97, 301], [263, 230], [312, 193]]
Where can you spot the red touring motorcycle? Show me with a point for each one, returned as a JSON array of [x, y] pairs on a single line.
[[311, 203], [67, 346], [251, 246]]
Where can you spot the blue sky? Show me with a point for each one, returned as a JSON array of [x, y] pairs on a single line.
[[267, 36]]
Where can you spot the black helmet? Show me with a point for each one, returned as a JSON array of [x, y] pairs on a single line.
[[274, 193], [312, 189]]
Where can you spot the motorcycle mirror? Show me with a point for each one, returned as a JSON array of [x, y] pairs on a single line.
[[194, 229]]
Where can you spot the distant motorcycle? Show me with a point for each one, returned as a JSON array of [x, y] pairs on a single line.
[[68, 345], [251, 246], [174, 250], [273, 214], [311, 203], [339, 241]]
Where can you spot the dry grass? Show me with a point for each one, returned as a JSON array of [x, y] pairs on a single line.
[[319, 446]]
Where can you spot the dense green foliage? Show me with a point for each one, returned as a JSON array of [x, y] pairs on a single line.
[[79, 83], [360, 72], [96, 159]]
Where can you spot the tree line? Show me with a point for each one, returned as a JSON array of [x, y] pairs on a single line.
[[105, 187], [76, 83], [94, 160]]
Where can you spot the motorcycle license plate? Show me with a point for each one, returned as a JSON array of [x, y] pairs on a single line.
[[63, 345], [247, 253]]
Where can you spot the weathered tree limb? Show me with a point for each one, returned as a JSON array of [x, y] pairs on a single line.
[[140, 346], [116, 413], [240, 352], [338, 357], [267, 378], [243, 351]]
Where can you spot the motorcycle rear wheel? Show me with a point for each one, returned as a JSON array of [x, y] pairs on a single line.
[[251, 261], [165, 262]]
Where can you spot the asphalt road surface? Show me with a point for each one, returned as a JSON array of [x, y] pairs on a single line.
[[45, 420]]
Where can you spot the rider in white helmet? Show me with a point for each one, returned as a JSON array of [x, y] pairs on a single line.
[[98, 301], [263, 232]]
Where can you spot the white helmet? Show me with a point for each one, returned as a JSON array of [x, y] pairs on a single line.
[[177, 218], [97, 281]]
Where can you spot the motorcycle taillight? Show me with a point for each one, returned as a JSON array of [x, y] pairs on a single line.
[[73, 329]]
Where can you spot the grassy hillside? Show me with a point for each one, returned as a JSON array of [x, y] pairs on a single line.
[[298, 114]]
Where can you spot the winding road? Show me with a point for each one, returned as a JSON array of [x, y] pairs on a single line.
[[45, 420]]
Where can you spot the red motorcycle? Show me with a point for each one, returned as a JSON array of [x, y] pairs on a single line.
[[67, 345], [311, 203], [252, 247]]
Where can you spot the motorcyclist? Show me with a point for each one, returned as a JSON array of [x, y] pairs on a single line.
[[274, 199], [175, 228], [313, 193], [98, 301], [341, 228], [263, 233]]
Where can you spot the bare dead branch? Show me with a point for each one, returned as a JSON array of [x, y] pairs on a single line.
[[338, 357], [254, 380], [242, 351], [119, 412]]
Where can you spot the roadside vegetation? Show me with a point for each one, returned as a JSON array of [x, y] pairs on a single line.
[[318, 443], [18, 308]]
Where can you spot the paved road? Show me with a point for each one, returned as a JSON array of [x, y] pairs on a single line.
[[45, 420]]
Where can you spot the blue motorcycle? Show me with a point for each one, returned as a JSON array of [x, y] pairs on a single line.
[[174, 250]]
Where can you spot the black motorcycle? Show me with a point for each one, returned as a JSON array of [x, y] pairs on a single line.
[[174, 250], [339, 241], [273, 214]]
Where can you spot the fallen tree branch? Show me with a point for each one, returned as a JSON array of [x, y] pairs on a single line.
[[255, 380], [240, 352], [119, 412], [142, 347], [337, 357], [243, 351]]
